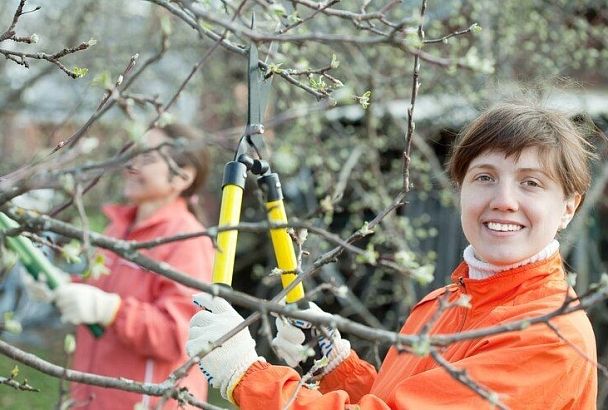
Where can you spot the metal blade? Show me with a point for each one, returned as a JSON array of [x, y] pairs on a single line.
[[258, 90], [254, 82]]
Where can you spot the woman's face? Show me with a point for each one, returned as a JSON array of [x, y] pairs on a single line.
[[148, 177], [511, 209]]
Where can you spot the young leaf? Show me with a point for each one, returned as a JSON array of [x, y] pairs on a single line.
[[71, 251], [69, 343], [97, 267], [79, 72]]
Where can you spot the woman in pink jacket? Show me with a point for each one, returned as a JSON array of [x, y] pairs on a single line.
[[145, 315]]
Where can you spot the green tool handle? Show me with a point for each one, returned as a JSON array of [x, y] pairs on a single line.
[[36, 263]]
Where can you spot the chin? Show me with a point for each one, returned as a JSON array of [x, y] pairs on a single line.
[[132, 199]]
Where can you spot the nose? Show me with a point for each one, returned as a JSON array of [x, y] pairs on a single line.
[[505, 198]]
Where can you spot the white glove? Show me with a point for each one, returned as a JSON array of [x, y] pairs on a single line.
[[224, 366], [290, 343], [37, 289], [80, 303]]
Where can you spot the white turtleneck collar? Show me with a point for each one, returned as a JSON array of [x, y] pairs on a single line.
[[483, 270]]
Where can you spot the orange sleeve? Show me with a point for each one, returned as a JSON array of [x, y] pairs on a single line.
[[354, 375], [268, 387]]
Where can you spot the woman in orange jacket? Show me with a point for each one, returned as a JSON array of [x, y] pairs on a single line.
[[521, 171]]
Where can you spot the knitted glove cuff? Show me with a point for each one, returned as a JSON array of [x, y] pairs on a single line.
[[338, 354], [227, 389]]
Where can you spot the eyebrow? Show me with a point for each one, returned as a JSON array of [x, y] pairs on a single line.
[[527, 169]]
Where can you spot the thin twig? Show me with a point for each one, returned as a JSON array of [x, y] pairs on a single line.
[[462, 376], [591, 360], [410, 111]]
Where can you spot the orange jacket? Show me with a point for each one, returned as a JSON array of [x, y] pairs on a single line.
[[146, 341], [529, 369]]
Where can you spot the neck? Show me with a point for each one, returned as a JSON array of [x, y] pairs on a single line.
[[148, 208], [482, 270]]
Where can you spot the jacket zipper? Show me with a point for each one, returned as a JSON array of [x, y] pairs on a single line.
[[466, 310]]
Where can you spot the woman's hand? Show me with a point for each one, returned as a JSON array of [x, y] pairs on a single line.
[[225, 365], [298, 342]]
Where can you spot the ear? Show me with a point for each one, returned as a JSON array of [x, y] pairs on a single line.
[[571, 206], [184, 180]]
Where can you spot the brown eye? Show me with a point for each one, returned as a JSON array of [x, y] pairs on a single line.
[[483, 178], [532, 183]]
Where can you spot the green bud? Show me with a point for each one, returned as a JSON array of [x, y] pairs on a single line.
[[68, 183], [97, 267], [278, 10], [364, 230], [422, 347], [424, 274], [11, 325], [334, 61], [364, 100], [79, 72], [71, 251], [69, 344], [166, 118]]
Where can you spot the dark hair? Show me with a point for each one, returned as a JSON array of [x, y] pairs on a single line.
[[512, 127], [193, 153]]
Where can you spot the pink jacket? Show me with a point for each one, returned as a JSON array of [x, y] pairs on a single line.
[[146, 341]]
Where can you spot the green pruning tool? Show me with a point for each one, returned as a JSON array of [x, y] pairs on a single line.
[[36, 263]]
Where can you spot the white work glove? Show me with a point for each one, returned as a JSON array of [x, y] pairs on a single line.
[[80, 303], [292, 346], [224, 366]]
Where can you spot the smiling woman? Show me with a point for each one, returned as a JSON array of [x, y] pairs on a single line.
[[522, 172], [510, 208]]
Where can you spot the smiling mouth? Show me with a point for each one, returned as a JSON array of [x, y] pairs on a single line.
[[498, 227]]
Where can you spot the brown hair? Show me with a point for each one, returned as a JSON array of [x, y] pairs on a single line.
[[195, 154], [512, 127]]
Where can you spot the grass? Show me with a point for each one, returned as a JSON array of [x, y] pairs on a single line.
[[47, 397]]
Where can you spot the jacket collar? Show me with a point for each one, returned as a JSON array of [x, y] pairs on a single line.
[[499, 287], [122, 216]]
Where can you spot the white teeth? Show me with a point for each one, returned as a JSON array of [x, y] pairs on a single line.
[[495, 226]]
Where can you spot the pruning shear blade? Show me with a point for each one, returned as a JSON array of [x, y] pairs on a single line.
[[258, 87]]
